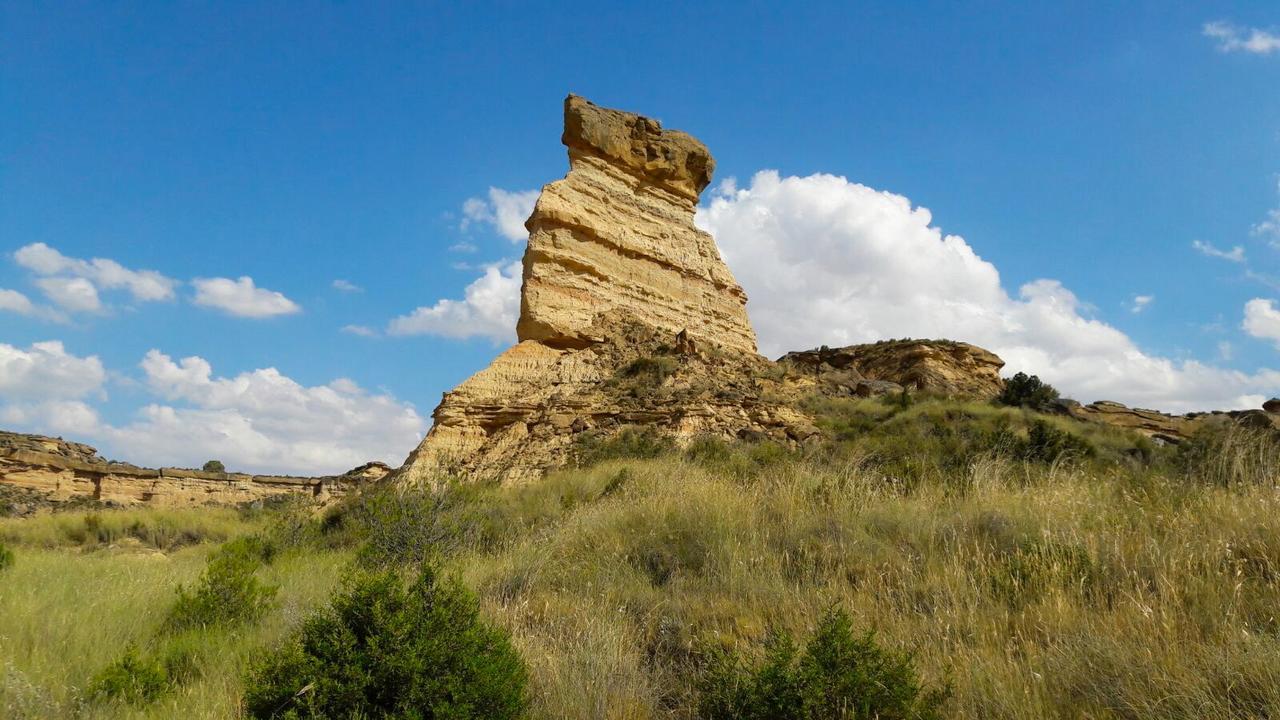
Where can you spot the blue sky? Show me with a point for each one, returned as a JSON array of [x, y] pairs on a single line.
[[301, 144]]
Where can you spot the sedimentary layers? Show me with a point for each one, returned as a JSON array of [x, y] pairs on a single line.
[[615, 271], [617, 233], [61, 471]]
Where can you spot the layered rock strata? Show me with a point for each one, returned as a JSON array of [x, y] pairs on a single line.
[[615, 274], [938, 367], [61, 471], [617, 233]]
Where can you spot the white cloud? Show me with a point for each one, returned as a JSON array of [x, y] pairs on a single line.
[[257, 421], [74, 294], [46, 371], [346, 286], [1235, 254], [504, 210], [1269, 228], [15, 302], [263, 420], [143, 285], [827, 261], [1262, 320], [1234, 38], [361, 330], [1140, 303], [242, 298], [490, 308]]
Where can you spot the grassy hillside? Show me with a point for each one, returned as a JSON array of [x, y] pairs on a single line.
[[1039, 567]]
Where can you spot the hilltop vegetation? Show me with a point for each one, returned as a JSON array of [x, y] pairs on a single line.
[[987, 562]]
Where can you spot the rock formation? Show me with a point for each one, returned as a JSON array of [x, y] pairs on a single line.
[[628, 316], [60, 471], [938, 367], [618, 232]]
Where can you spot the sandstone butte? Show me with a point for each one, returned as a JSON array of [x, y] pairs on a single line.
[[629, 318]]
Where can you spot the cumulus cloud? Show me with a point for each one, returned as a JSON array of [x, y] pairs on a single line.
[[1140, 303], [828, 261], [262, 420], [1262, 320], [504, 210], [346, 286], [489, 308], [74, 294], [1234, 38], [242, 298], [1235, 254], [257, 421], [360, 330], [143, 285], [46, 371], [15, 302]]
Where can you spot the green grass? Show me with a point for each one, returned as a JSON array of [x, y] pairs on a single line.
[[1128, 581], [154, 528], [66, 615]]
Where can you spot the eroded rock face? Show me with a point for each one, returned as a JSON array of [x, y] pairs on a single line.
[[617, 233], [939, 367], [615, 274], [533, 407], [60, 471]]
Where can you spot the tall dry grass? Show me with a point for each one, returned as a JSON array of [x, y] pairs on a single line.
[[1037, 592], [1127, 581]]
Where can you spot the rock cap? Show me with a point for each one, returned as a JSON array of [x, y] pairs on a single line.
[[670, 158]]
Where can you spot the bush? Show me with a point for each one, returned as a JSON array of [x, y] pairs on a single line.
[[138, 680], [1029, 391], [227, 592], [1045, 443], [6, 557], [390, 651], [630, 444], [214, 466], [132, 678], [839, 676]]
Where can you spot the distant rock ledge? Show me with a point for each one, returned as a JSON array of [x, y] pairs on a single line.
[[60, 471]]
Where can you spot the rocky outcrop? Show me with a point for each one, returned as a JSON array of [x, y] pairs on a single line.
[[1152, 423], [617, 233], [62, 471], [937, 367], [536, 406], [628, 316]]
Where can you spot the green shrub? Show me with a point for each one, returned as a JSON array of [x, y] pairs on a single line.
[[1024, 390], [214, 466], [629, 444], [6, 557], [839, 676], [390, 651], [138, 679], [227, 592], [132, 679], [1045, 443]]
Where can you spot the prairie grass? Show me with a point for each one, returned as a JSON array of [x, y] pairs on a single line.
[[157, 528], [66, 615], [1113, 579]]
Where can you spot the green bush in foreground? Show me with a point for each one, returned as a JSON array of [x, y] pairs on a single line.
[[139, 679], [227, 592], [387, 650], [6, 557], [839, 676]]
